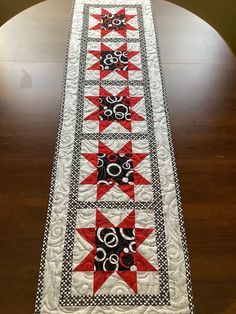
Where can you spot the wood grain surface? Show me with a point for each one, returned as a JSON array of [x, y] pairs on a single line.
[[200, 75]]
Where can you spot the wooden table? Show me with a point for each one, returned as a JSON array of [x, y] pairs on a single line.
[[200, 74]]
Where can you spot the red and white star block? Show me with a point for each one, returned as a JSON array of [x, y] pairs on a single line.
[[113, 61], [110, 173], [116, 22], [115, 249], [114, 109], [83, 281]]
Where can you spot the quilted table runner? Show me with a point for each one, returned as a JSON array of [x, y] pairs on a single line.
[[114, 239]]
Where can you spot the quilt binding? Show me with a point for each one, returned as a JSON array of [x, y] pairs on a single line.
[[55, 160]]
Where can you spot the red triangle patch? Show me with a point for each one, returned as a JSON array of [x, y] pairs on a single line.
[[137, 117], [126, 149], [103, 149], [102, 221], [93, 99], [131, 54], [99, 278], [91, 179], [130, 27], [128, 222], [95, 66], [125, 124], [122, 32], [96, 16], [143, 264], [124, 92], [130, 277], [121, 11], [93, 116], [104, 92], [105, 12], [128, 189], [105, 47], [104, 32], [129, 17], [102, 189], [141, 235], [135, 100], [123, 73], [138, 157], [88, 234], [123, 47], [96, 27], [139, 179], [104, 73], [103, 124], [87, 264], [95, 53], [92, 158], [133, 67]]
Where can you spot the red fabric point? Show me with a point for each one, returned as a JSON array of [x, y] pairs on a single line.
[[104, 32], [131, 54], [126, 149], [129, 221], [129, 17], [135, 100], [137, 158], [102, 221], [122, 73], [130, 277], [104, 73], [137, 117], [139, 179], [133, 67], [105, 12], [102, 189], [93, 116], [97, 17], [105, 47], [99, 278], [95, 66], [103, 92], [93, 99], [130, 27], [87, 264], [88, 234], [125, 124], [142, 264], [103, 149], [93, 158], [141, 235], [123, 47], [127, 189], [95, 53], [91, 179], [124, 92], [103, 124]]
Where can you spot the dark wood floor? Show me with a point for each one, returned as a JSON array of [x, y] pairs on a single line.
[[200, 74]]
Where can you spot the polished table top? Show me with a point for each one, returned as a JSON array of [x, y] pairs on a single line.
[[200, 74]]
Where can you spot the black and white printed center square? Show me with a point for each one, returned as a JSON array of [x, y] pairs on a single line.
[[113, 21], [114, 108], [115, 249], [115, 168], [114, 60]]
